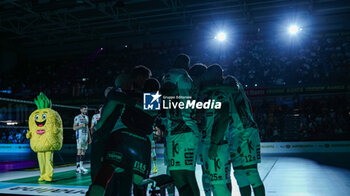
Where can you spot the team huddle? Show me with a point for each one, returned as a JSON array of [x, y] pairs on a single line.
[[214, 138]]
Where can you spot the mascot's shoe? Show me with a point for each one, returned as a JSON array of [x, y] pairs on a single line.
[[41, 179], [48, 179]]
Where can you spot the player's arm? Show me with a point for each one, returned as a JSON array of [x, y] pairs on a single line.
[[92, 124], [111, 108], [220, 126], [76, 125], [110, 114], [185, 86], [92, 129]]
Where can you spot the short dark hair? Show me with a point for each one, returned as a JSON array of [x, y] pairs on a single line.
[[121, 80], [197, 69], [230, 80], [182, 61], [83, 106], [151, 85], [141, 70], [216, 70]]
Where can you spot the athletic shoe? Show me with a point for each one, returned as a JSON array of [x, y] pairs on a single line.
[[85, 171], [78, 170], [155, 169]]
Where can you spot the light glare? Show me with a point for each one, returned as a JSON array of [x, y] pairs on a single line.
[[294, 29], [221, 36]]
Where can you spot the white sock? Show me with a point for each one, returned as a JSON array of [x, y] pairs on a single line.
[[81, 163]]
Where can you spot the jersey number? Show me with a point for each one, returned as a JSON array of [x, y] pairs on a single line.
[[249, 158], [213, 177]]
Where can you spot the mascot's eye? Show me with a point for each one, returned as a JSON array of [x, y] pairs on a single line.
[[37, 117], [44, 116]]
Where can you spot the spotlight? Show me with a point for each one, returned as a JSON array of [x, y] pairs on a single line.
[[294, 29], [221, 36], [101, 49]]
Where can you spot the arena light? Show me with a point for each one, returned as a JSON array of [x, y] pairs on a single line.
[[9, 122], [294, 29], [221, 36]]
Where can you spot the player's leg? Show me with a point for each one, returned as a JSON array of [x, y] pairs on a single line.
[[116, 161], [245, 191], [142, 166], [101, 181], [78, 170], [259, 191], [181, 183], [171, 188], [201, 160], [97, 149], [78, 139], [139, 190], [173, 160], [182, 150], [221, 189], [191, 177], [240, 174], [84, 147], [255, 180], [219, 171], [242, 181], [119, 184], [235, 141], [251, 157], [81, 162], [206, 182]]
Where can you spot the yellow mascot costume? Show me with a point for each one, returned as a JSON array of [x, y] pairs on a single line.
[[45, 134]]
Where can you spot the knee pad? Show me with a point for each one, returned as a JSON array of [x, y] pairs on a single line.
[[241, 177], [253, 177], [137, 179]]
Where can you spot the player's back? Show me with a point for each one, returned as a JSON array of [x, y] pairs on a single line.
[[241, 112], [174, 81], [95, 118]]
